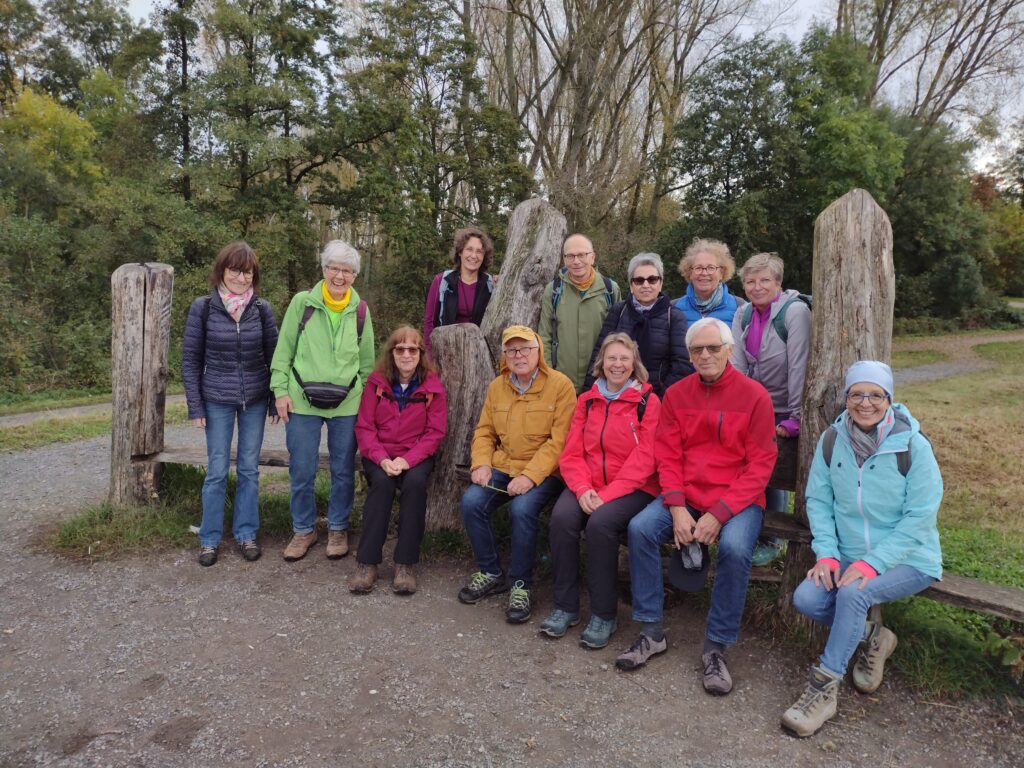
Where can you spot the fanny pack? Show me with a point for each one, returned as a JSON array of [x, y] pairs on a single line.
[[323, 394]]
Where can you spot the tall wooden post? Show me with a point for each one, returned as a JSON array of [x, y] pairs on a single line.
[[854, 288], [466, 355], [141, 320]]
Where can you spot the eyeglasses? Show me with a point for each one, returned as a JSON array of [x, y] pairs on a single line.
[[761, 282], [344, 271], [708, 270], [240, 273], [714, 349], [652, 280], [576, 256], [872, 397], [518, 351], [407, 350]]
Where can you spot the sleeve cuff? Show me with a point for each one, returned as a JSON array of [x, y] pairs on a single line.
[[791, 426], [675, 499], [831, 562], [721, 512], [864, 568]]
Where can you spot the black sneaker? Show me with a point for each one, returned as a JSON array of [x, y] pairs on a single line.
[[481, 585], [250, 550], [518, 611], [207, 556]]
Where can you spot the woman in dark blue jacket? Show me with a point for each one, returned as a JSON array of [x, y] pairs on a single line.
[[230, 337], [648, 317]]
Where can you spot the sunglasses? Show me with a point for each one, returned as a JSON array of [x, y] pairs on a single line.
[[407, 350], [714, 349], [652, 280]]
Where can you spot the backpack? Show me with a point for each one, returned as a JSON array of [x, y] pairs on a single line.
[[828, 444], [444, 290], [360, 321], [556, 297], [779, 321]]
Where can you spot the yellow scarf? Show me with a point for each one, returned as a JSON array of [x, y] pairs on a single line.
[[335, 305], [586, 283]]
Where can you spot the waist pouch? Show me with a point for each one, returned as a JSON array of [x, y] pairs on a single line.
[[324, 394]]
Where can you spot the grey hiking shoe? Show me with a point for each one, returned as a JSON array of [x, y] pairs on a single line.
[[642, 649], [481, 585], [717, 680], [870, 664], [598, 632], [815, 706], [558, 622], [518, 611]]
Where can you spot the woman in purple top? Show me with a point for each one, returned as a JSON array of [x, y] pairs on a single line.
[[461, 295]]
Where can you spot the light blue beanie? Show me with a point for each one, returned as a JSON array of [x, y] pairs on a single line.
[[872, 372]]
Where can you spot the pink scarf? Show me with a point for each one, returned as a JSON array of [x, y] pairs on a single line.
[[234, 303]]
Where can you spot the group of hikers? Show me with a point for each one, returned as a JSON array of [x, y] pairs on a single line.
[[640, 418]]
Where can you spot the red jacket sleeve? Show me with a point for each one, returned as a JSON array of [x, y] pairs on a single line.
[[370, 446], [639, 465], [668, 457], [573, 464], [437, 425], [430, 313]]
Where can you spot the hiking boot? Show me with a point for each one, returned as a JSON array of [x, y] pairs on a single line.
[[250, 550], [815, 706], [598, 632], [404, 582], [518, 611], [363, 579], [870, 664], [337, 544], [558, 622], [299, 546], [717, 680], [766, 551], [207, 556], [481, 585], [642, 649]]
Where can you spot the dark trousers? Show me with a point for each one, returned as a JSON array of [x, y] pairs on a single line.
[[604, 527], [412, 512]]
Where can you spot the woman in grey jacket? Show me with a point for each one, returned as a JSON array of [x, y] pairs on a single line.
[[773, 337], [230, 337]]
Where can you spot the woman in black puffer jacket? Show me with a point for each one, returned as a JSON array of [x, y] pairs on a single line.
[[230, 337], [648, 317]]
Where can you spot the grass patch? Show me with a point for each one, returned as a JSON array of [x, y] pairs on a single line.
[[47, 400], [68, 429], [908, 358]]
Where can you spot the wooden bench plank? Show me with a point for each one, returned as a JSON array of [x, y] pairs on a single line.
[[785, 527], [977, 595], [269, 457]]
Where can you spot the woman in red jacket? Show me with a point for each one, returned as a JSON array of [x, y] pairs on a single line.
[[401, 422], [608, 469]]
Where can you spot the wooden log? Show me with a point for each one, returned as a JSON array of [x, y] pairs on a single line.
[[465, 366], [536, 232], [141, 323], [269, 457], [854, 288]]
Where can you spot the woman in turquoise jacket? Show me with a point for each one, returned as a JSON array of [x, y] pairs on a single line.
[[324, 354], [873, 495]]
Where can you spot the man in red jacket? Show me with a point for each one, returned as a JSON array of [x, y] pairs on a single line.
[[715, 451]]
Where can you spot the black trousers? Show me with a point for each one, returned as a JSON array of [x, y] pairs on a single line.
[[603, 528], [412, 512]]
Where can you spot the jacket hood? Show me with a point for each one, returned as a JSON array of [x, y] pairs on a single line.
[[903, 430], [631, 394], [779, 303], [432, 382], [521, 332]]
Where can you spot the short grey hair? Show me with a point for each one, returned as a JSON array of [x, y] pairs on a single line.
[[763, 261], [646, 259], [725, 332], [340, 252]]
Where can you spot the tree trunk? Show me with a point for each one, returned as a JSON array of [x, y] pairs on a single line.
[[854, 286], [466, 354], [141, 320]]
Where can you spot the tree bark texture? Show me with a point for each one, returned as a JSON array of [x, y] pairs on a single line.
[[536, 232], [854, 288], [141, 321]]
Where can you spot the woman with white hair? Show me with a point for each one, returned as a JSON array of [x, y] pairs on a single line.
[[324, 354], [648, 317]]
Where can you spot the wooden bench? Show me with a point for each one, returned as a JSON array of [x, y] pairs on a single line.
[[269, 457]]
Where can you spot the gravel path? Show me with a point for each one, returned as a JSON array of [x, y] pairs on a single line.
[[153, 661], [960, 348]]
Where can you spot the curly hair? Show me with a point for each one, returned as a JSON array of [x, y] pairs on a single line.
[[716, 248]]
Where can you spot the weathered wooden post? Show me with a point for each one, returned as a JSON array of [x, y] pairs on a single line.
[[466, 355], [854, 288], [141, 321]]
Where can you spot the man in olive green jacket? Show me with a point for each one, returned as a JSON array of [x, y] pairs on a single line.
[[574, 307]]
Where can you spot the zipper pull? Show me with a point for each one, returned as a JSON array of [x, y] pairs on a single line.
[[633, 430]]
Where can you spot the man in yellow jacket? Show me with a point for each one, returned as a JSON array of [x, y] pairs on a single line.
[[518, 440]]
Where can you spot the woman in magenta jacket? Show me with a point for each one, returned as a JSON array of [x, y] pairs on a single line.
[[401, 422], [608, 469]]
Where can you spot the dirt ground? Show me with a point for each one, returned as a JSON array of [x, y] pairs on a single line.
[[154, 661]]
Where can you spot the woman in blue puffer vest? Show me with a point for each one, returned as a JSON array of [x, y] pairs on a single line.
[[230, 337]]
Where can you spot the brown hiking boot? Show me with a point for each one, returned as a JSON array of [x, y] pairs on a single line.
[[363, 579], [404, 582], [870, 664], [299, 546], [337, 544]]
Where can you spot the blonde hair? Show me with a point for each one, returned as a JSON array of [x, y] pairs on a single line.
[[639, 370], [716, 248]]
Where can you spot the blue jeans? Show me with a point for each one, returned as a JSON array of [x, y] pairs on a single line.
[[303, 439], [220, 426], [479, 503], [652, 527], [845, 610]]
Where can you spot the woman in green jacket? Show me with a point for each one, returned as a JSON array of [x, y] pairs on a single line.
[[324, 354]]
